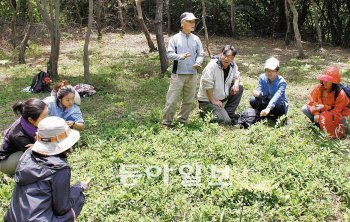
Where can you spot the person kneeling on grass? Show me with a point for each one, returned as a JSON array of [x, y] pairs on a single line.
[[270, 96], [63, 106], [219, 84], [328, 104], [20, 135], [42, 191]]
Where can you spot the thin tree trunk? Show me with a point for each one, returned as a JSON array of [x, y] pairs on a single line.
[[159, 34], [233, 14], [296, 29], [121, 17], [317, 25], [167, 8], [23, 45], [287, 36], [99, 18], [86, 45], [143, 26], [52, 23], [14, 8], [204, 14]]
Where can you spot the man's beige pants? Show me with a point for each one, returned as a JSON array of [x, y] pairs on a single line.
[[182, 87]]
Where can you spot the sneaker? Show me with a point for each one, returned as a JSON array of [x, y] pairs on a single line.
[[235, 116], [234, 119]]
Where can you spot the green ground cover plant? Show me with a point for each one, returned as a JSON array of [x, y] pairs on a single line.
[[288, 173]]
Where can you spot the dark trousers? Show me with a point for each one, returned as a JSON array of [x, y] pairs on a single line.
[[225, 114], [260, 103]]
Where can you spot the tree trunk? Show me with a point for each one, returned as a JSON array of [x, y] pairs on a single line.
[[86, 45], [287, 36], [14, 7], [204, 14], [24, 43], [159, 34], [317, 25], [233, 14], [296, 29], [121, 17], [143, 26], [168, 16], [99, 7], [51, 21]]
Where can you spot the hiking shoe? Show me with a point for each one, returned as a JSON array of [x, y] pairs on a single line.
[[234, 119]]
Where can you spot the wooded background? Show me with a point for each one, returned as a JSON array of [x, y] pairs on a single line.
[[319, 21]]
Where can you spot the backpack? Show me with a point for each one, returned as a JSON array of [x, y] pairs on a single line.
[[41, 83], [343, 87], [248, 117]]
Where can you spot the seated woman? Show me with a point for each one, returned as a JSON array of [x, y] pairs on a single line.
[[20, 135], [270, 96], [63, 106], [61, 83], [42, 190], [327, 99]]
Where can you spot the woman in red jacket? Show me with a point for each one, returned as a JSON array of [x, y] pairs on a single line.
[[328, 104]]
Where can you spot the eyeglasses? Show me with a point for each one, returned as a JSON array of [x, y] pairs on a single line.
[[229, 57]]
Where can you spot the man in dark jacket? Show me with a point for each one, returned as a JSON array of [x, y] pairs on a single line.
[[42, 191]]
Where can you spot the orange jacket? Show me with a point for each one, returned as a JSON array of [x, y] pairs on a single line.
[[339, 106]]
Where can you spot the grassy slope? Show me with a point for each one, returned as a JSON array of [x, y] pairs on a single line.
[[288, 173]]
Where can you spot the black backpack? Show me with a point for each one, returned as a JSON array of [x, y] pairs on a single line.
[[341, 87], [41, 83], [249, 117]]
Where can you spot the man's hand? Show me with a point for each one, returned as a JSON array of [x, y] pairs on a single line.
[[256, 93], [234, 90], [185, 55], [265, 112], [218, 103], [29, 146], [197, 66]]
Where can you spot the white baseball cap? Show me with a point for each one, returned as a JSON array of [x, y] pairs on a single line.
[[54, 136], [187, 16], [272, 63]]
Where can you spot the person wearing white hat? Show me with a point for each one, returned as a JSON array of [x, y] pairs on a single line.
[[42, 191], [269, 98], [186, 50]]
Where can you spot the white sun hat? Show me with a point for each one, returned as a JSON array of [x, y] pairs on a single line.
[[54, 136], [187, 16], [272, 63]]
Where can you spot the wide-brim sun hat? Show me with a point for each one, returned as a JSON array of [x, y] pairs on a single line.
[[54, 136], [330, 74], [272, 63], [187, 16]]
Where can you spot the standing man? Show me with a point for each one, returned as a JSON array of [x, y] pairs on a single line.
[[220, 84], [187, 52]]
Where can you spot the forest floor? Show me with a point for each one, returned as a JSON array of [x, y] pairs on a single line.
[[287, 173]]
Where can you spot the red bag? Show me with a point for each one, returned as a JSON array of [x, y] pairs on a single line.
[[332, 124]]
